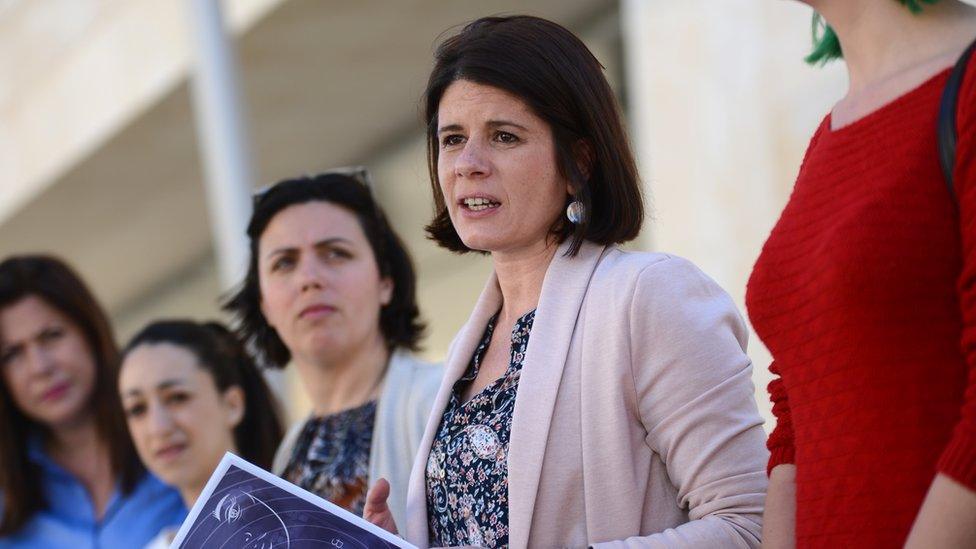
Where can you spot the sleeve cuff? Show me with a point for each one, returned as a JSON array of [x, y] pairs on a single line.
[[778, 456], [959, 460]]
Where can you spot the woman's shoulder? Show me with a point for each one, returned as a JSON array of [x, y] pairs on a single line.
[[410, 387], [635, 266], [411, 381], [411, 374], [287, 445], [150, 483], [151, 492], [632, 282]]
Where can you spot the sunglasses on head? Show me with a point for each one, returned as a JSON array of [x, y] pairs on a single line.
[[360, 174]]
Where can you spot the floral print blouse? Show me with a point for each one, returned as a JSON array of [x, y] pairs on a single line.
[[331, 456], [467, 470]]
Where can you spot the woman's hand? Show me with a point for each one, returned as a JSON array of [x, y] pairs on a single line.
[[376, 510]]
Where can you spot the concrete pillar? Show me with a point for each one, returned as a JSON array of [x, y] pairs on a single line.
[[225, 149], [223, 137]]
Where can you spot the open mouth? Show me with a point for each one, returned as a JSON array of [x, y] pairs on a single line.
[[479, 204]]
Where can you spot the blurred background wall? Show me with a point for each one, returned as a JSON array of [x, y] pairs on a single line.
[[100, 157]]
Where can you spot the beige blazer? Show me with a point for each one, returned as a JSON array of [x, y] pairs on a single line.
[[402, 409], [635, 423]]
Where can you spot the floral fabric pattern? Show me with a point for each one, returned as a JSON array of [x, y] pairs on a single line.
[[331, 456], [467, 470]]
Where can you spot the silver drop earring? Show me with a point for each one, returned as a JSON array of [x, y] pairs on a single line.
[[575, 212]]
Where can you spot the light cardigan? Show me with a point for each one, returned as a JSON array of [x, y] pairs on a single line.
[[402, 409], [635, 422]]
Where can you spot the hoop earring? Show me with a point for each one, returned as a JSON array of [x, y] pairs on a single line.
[[575, 212]]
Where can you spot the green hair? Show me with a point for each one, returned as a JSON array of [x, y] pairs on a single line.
[[826, 46]]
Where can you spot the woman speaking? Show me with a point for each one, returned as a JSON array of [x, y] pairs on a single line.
[[594, 395]]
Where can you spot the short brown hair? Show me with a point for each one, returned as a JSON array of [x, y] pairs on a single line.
[[550, 69]]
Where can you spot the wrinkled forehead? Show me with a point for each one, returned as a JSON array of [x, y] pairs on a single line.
[[307, 225], [28, 316]]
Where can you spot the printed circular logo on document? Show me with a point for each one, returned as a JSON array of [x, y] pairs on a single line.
[[247, 512]]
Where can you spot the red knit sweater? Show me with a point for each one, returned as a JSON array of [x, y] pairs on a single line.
[[865, 294]]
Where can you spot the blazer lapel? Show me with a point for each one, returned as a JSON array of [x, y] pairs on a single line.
[[563, 290], [458, 358]]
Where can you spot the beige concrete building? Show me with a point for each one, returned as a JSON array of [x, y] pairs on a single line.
[[100, 159]]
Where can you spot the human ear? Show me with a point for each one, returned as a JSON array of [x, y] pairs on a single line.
[[233, 403], [386, 291], [584, 157]]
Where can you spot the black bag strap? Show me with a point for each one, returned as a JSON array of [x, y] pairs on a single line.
[[947, 119]]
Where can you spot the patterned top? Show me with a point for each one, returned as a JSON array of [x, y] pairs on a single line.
[[467, 470], [331, 456]]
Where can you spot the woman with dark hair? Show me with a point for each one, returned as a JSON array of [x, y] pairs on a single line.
[[330, 287], [69, 474], [865, 294], [595, 396], [191, 393]]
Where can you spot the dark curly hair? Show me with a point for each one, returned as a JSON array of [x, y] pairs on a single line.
[[400, 320]]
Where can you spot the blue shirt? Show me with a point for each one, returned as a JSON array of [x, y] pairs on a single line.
[[130, 521]]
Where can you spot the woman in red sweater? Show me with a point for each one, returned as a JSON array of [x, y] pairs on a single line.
[[865, 293]]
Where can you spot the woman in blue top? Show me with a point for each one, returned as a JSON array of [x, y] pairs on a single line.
[[69, 475]]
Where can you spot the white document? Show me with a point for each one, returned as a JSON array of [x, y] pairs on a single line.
[[244, 506]]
